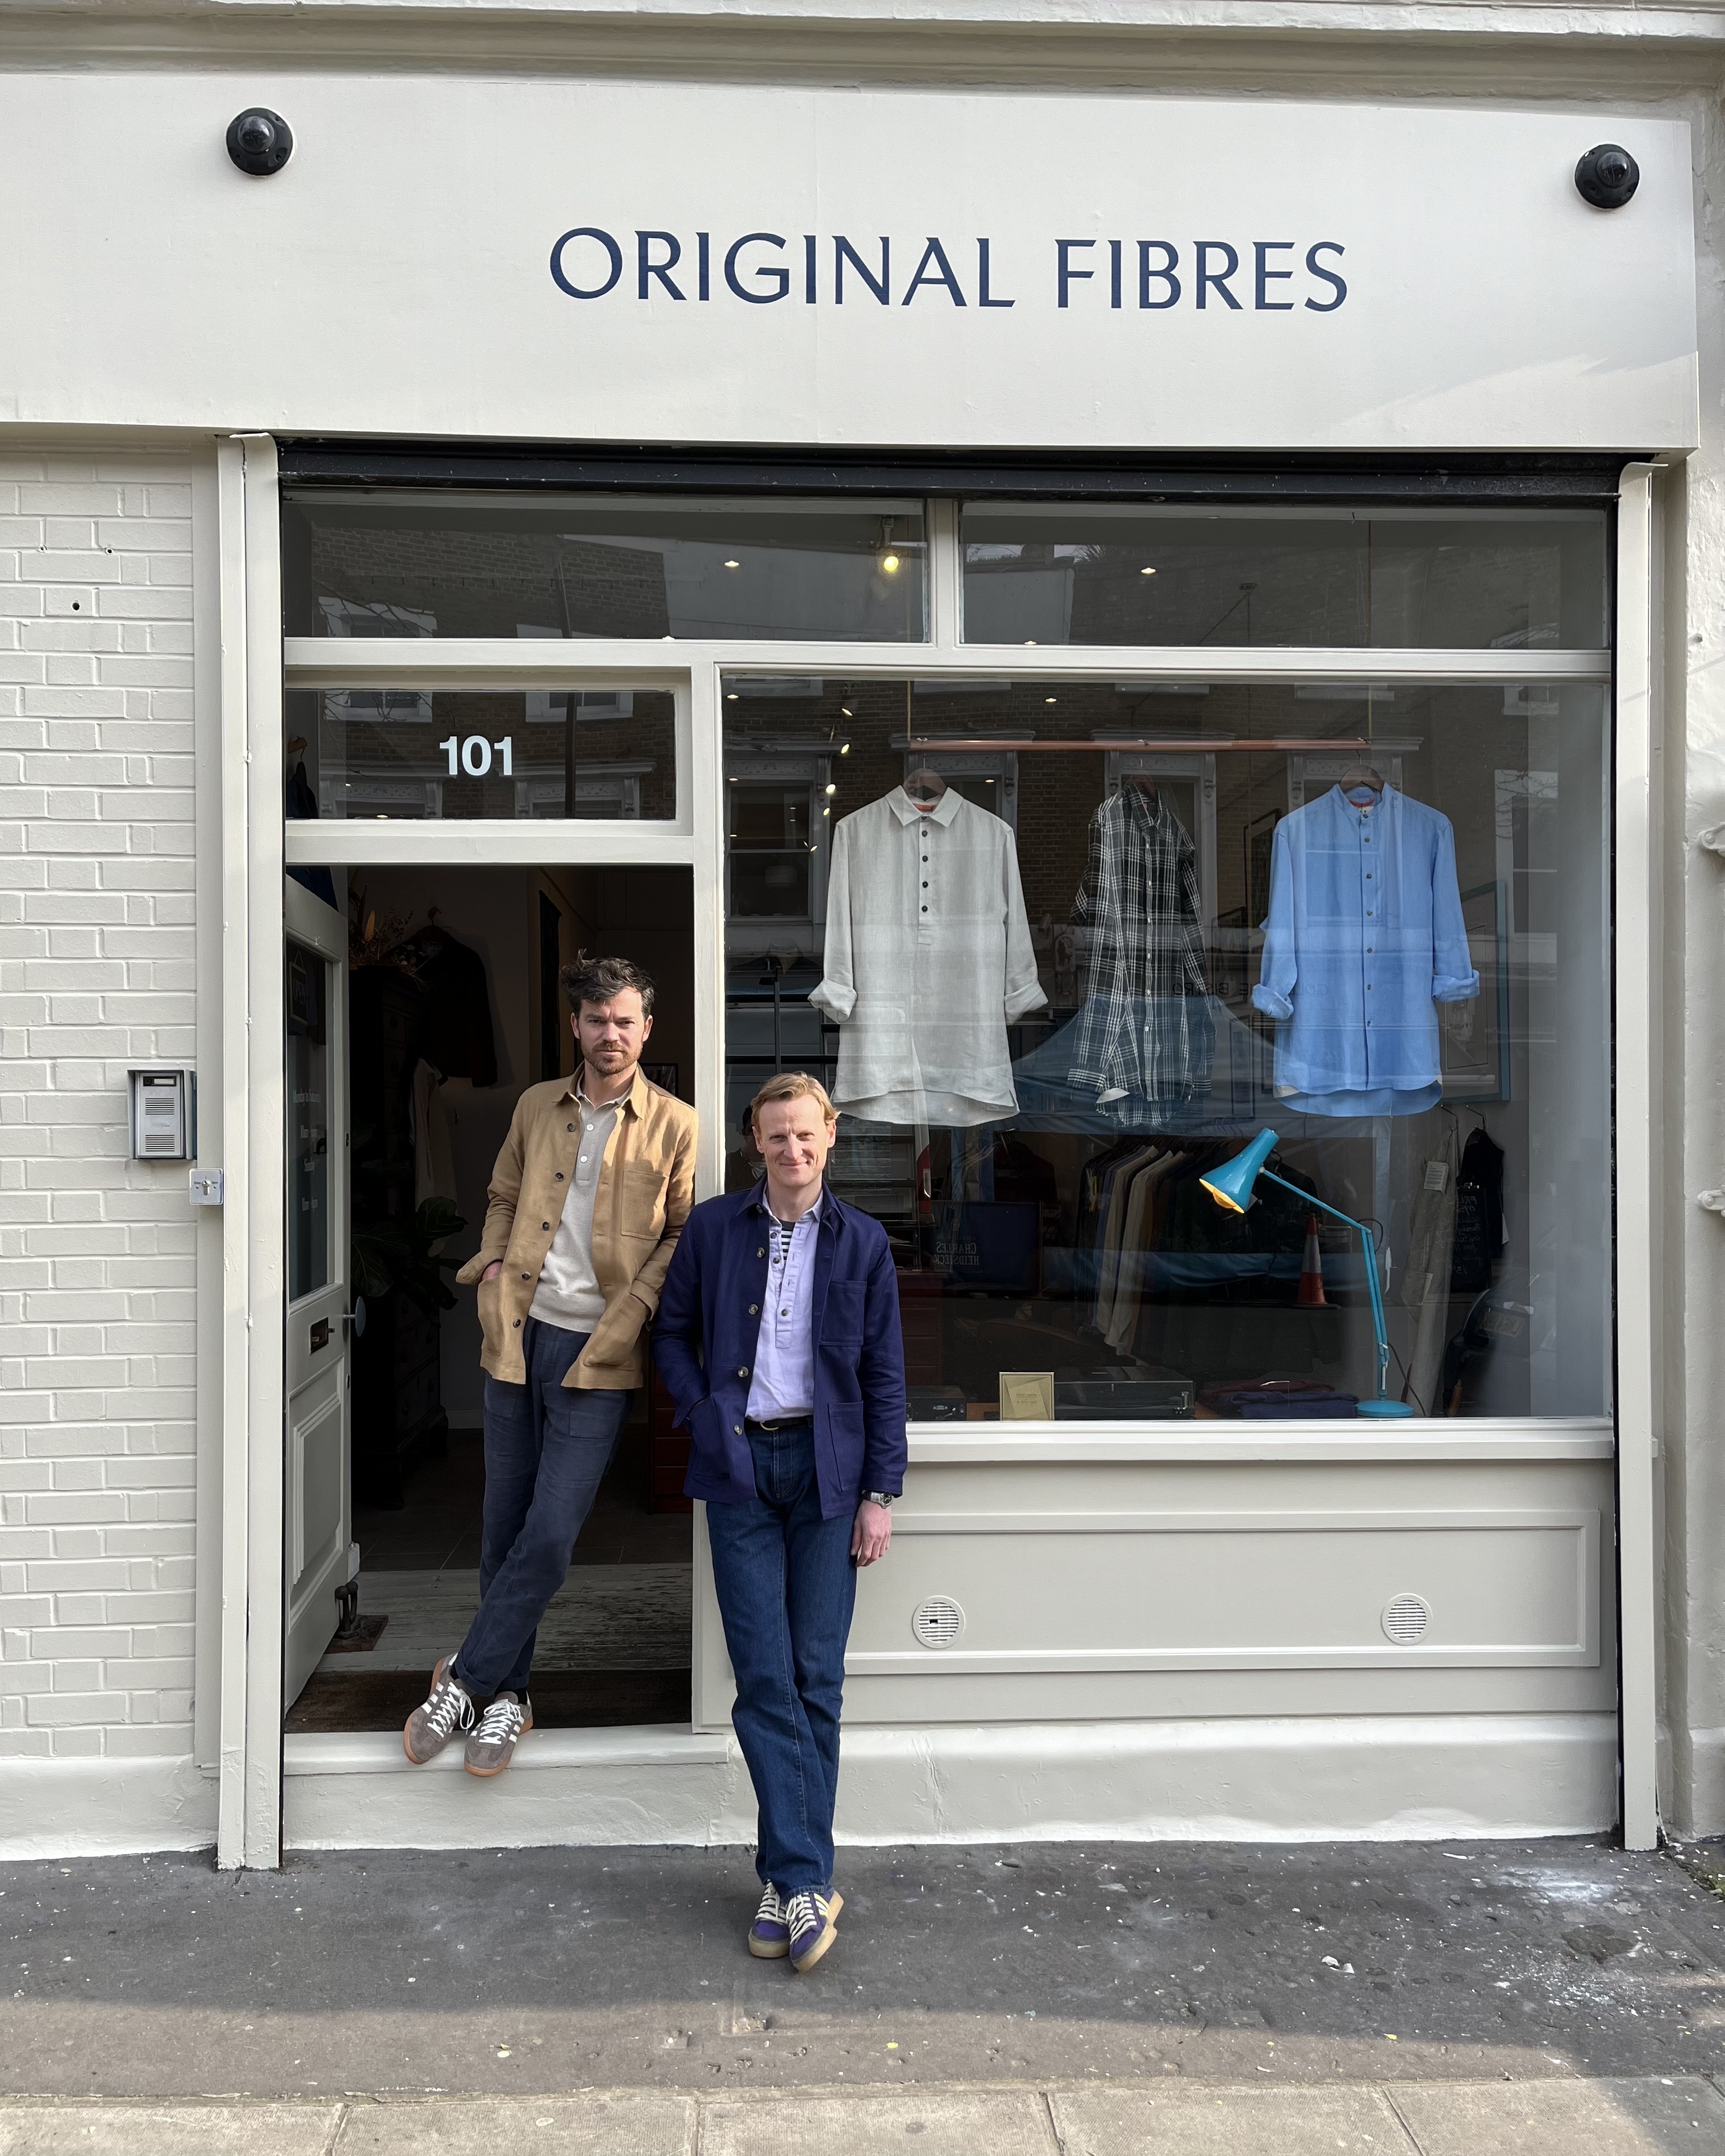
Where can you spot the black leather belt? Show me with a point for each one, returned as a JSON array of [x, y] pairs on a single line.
[[790, 1422]]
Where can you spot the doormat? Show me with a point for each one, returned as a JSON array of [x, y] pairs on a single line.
[[603, 1617]]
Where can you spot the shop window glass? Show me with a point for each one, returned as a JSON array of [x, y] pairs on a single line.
[[500, 565], [421, 754], [1435, 580], [306, 996], [1140, 924]]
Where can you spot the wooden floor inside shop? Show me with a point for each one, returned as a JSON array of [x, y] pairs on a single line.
[[613, 1650]]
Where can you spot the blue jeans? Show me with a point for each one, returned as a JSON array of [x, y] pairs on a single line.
[[786, 1588], [547, 1449]]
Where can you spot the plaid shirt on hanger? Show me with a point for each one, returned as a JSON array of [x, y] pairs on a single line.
[[1146, 1028]]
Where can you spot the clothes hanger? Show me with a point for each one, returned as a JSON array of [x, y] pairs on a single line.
[[1359, 773], [925, 783]]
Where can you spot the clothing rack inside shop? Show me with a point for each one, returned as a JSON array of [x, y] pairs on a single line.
[[1182, 744]]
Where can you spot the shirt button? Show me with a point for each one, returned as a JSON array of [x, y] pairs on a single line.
[[570, 1127], [925, 886], [784, 1313], [526, 1276], [545, 1224], [559, 1175], [518, 1325], [925, 909]]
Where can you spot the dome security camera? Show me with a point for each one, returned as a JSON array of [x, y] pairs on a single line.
[[260, 142], [1607, 176]]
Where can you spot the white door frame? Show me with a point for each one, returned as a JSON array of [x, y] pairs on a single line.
[[255, 847]]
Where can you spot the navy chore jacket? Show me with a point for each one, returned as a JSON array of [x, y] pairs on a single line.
[[704, 1345]]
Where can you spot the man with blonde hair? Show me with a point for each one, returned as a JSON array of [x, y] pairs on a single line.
[[778, 1335]]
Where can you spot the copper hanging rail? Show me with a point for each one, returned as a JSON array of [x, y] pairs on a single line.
[[1333, 746]]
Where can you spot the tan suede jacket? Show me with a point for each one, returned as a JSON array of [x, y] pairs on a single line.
[[646, 1189]]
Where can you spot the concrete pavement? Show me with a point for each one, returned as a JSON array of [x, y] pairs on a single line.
[[1441, 1998], [1652, 2116]]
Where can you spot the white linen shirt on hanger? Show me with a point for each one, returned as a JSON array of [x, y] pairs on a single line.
[[928, 960]]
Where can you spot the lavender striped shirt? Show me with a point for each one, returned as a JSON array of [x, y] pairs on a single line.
[[783, 1387]]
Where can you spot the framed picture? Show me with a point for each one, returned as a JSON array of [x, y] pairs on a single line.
[[663, 1075], [1475, 1036]]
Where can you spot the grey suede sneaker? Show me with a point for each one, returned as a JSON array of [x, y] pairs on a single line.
[[503, 1722], [431, 1726]]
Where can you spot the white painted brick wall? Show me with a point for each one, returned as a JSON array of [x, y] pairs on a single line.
[[96, 973]]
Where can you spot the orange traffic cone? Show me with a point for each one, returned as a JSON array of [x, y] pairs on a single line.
[[1312, 1270]]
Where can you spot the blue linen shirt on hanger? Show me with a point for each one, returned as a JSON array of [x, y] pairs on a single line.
[[1365, 936]]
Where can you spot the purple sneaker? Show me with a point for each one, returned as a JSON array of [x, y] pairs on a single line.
[[769, 1935], [809, 1920]]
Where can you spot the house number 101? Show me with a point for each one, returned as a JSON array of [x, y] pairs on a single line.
[[474, 755]]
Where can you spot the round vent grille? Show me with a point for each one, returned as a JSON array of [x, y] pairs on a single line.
[[937, 1622], [1405, 1619]]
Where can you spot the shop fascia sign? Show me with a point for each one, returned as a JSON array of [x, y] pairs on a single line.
[[764, 269]]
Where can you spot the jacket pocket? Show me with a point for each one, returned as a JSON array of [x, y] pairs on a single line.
[[642, 1210], [841, 1321], [490, 1313]]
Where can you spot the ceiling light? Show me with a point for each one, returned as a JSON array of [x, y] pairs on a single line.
[[1029, 643], [832, 790], [889, 565], [731, 696], [1050, 700], [733, 565], [844, 746], [845, 711], [1147, 572]]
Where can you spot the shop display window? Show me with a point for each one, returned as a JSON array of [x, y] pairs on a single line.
[[1062, 950], [412, 753], [1422, 579], [555, 566]]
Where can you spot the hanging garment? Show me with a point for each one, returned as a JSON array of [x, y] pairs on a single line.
[[1426, 1272], [434, 1137], [1137, 1242], [1479, 1213], [928, 960], [1364, 935], [458, 1037], [1114, 1231], [1145, 1034]]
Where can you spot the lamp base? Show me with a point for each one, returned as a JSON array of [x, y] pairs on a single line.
[[1383, 1408]]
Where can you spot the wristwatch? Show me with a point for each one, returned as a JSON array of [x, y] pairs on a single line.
[[879, 1497]]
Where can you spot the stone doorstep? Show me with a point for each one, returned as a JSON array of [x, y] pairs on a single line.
[[1649, 2115]]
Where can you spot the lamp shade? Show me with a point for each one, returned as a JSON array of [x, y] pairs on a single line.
[[1231, 1184]]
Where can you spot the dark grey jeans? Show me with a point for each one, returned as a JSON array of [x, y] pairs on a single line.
[[547, 1447]]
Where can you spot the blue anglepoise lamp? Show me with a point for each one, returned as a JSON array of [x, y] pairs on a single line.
[[1231, 1185]]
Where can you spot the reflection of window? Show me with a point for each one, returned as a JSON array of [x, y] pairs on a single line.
[[772, 849], [605, 791], [988, 778], [397, 706], [373, 618]]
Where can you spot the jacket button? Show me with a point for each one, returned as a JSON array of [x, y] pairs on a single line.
[[518, 1325], [559, 1175], [526, 1276], [760, 1254], [743, 1373], [754, 1310], [545, 1224], [736, 1429]]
